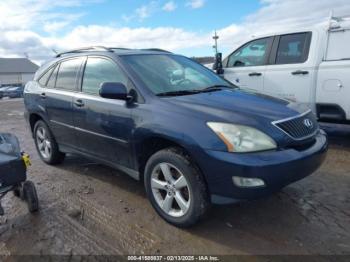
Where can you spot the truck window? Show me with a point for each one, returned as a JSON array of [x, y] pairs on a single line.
[[253, 53], [293, 48], [338, 45]]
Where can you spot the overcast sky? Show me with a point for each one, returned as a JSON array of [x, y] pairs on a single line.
[[34, 28]]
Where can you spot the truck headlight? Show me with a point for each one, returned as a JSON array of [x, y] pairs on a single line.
[[239, 138]]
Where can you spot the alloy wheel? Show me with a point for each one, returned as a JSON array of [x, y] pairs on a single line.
[[43, 142], [170, 189]]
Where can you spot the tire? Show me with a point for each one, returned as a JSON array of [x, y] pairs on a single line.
[[30, 196], [188, 201], [42, 133]]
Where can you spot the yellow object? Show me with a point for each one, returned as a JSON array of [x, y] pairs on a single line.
[[26, 160]]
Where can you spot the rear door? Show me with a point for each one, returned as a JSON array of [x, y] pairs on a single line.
[[103, 126], [58, 100], [245, 67], [291, 72]]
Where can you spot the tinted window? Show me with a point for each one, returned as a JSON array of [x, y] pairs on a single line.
[[252, 54], [45, 77], [52, 80], [293, 49], [99, 70], [67, 74]]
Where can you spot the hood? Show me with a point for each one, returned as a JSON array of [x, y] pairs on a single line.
[[226, 104]]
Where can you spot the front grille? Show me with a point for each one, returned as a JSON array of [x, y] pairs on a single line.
[[300, 127]]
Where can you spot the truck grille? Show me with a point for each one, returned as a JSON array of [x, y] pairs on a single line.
[[300, 127]]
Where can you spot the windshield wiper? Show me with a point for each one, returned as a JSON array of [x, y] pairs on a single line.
[[178, 93], [215, 88], [196, 91]]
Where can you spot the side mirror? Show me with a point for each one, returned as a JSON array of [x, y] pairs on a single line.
[[114, 90], [218, 64]]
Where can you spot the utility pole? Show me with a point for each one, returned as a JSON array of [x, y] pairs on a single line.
[[216, 37]]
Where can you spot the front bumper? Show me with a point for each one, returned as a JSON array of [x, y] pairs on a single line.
[[276, 168]]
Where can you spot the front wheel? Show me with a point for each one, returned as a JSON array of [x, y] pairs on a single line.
[[176, 188]]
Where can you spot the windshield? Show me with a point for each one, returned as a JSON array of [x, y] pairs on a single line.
[[164, 74]]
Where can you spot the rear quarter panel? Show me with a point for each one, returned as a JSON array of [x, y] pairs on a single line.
[[333, 84]]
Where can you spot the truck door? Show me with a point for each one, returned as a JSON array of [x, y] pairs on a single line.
[[245, 67], [290, 73]]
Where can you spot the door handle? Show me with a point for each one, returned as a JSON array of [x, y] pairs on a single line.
[[79, 103], [254, 74], [43, 95], [300, 72]]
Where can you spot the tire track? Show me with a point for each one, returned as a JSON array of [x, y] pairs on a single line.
[[99, 218]]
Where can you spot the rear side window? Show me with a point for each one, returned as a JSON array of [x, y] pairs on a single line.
[[45, 77], [338, 45], [52, 80], [67, 74], [99, 70], [293, 49]]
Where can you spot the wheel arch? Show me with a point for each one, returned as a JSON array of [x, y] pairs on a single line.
[[154, 143], [33, 118]]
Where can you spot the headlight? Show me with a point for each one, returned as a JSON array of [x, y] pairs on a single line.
[[240, 138]]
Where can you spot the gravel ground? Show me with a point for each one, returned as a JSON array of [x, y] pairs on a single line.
[[86, 208]]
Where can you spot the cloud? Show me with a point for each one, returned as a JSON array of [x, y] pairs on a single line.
[[278, 16], [142, 12], [144, 37], [195, 4], [17, 24], [169, 6], [24, 14]]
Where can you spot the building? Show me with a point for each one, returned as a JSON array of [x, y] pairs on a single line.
[[16, 71]]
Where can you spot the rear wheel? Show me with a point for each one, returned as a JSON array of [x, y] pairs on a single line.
[[176, 188], [46, 144]]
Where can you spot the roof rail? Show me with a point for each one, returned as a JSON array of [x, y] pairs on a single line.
[[80, 50], [156, 50], [119, 48]]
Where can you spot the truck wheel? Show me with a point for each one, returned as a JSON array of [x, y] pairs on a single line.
[[46, 144], [31, 196], [175, 188]]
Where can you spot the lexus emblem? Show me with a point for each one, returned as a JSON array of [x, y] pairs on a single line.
[[308, 123]]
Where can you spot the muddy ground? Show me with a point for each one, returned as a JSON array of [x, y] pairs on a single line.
[[88, 208]]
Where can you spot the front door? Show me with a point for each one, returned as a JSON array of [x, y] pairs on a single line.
[[103, 126], [245, 67]]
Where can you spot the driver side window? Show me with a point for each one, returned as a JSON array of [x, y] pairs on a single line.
[[253, 53]]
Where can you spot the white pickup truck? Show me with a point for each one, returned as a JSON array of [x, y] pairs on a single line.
[[310, 66]]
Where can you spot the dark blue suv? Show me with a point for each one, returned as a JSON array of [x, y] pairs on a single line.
[[190, 136]]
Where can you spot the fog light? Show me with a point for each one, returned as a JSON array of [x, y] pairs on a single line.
[[247, 182]]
